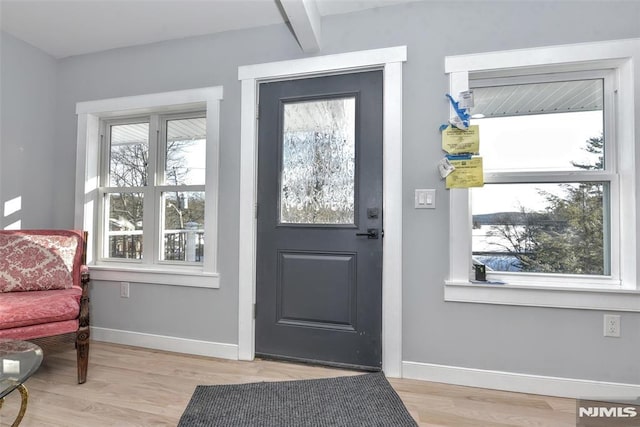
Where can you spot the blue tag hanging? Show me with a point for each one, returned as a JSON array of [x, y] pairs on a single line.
[[461, 112]]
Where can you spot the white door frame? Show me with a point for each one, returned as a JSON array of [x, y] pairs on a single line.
[[390, 61]]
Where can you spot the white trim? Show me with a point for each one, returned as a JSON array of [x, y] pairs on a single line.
[[392, 217], [459, 207], [305, 22], [577, 298], [248, 225], [323, 64], [88, 172], [87, 177], [212, 186], [390, 59], [178, 276], [604, 51], [520, 383], [166, 343], [628, 158], [150, 102]]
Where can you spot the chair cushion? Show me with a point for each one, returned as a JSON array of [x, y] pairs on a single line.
[[39, 259], [19, 309]]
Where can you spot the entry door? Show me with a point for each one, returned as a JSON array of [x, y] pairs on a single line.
[[319, 243]]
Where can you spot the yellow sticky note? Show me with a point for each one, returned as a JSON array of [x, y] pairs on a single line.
[[455, 141], [467, 173]]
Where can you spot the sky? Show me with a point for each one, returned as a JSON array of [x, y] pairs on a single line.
[[546, 142]]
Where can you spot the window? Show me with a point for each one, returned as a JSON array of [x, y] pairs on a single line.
[[551, 181], [170, 189], [318, 188], [148, 165], [558, 146]]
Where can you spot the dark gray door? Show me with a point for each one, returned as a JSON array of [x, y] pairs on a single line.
[[319, 254]]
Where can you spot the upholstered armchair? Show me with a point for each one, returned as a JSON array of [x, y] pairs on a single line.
[[44, 288]]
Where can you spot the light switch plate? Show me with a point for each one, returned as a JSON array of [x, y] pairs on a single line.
[[425, 199]]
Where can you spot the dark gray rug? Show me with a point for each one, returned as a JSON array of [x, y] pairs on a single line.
[[360, 400]]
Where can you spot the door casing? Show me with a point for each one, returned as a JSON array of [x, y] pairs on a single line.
[[390, 61]]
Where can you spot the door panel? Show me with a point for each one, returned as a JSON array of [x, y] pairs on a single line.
[[319, 274], [327, 297]]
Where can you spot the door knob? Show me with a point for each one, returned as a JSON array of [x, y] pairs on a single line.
[[372, 233]]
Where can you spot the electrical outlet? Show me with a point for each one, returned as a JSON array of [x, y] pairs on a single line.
[[611, 325], [124, 289]]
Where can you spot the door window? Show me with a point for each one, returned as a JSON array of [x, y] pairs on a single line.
[[317, 184]]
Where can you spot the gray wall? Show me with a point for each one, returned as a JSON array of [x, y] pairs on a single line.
[[553, 342], [27, 107]]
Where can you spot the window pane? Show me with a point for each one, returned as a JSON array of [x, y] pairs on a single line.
[[125, 225], [186, 149], [544, 126], [318, 162], [129, 154], [183, 231], [542, 228]]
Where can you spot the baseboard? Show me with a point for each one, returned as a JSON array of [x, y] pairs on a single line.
[[161, 342], [521, 383]]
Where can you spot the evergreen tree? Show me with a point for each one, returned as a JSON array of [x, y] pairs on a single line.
[[568, 237]]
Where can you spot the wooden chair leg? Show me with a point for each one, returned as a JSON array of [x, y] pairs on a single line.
[[82, 353]]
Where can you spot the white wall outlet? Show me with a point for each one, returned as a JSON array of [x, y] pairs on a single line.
[[611, 325], [124, 289]]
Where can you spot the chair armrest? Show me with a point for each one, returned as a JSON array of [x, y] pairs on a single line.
[[85, 278]]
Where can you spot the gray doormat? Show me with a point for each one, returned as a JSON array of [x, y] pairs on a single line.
[[361, 400]]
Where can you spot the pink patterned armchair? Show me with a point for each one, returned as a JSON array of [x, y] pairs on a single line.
[[44, 289]]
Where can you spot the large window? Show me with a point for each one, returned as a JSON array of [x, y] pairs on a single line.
[[551, 186], [154, 173], [147, 186], [554, 220]]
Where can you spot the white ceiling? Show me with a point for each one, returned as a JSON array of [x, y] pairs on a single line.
[[73, 27]]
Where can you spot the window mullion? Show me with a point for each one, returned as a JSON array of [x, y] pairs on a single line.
[[543, 177], [151, 202]]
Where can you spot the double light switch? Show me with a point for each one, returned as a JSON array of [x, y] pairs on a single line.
[[425, 199]]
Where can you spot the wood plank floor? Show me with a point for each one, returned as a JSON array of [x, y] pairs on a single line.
[[130, 386]]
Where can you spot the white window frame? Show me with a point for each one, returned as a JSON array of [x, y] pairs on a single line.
[[620, 291], [153, 241], [88, 181], [608, 175]]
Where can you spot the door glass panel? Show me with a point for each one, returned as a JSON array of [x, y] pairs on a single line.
[[317, 185]]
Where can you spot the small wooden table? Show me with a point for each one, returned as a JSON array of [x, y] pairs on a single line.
[[18, 361]]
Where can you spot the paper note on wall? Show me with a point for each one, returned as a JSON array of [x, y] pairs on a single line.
[[467, 173], [455, 141]]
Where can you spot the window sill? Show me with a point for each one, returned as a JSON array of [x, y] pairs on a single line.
[[195, 278], [543, 296]]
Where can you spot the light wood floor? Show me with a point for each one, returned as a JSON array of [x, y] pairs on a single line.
[[130, 386]]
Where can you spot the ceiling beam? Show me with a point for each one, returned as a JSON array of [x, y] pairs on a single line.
[[304, 18]]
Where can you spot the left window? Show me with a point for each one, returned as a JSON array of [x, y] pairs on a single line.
[[149, 171], [154, 164]]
